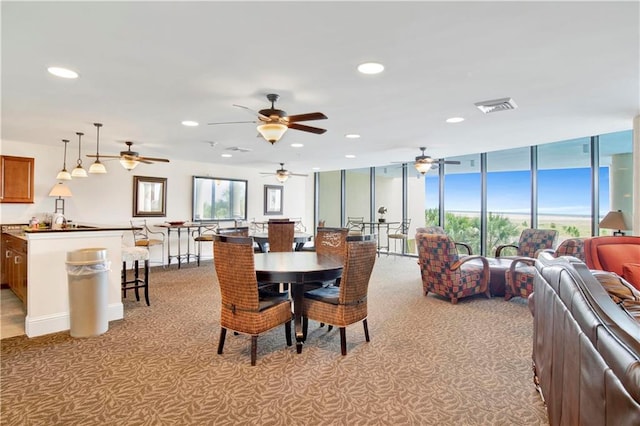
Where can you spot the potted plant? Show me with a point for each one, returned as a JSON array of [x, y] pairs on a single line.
[[382, 210]]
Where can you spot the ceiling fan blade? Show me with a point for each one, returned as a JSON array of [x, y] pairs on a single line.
[[448, 162], [306, 117], [253, 112], [162, 160], [232, 122], [297, 174], [304, 128], [103, 156]]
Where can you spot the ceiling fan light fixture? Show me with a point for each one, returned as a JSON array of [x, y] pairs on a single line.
[[272, 132], [128, 163], [422, 166], [282, 176]]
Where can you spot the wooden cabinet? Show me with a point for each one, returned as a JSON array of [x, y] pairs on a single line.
[[16, 179], [14, 265]]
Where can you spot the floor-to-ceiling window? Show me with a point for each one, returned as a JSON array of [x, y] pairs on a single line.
[[417, 203], [388, 194], [329, 198], [564, 188], [616, 176], [462, 188], [358, 193], [508, 196]]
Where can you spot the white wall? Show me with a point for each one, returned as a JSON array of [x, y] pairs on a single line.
[[107, 199]]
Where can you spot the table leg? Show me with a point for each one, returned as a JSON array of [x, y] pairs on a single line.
[[168, 247], [297, 291], [179, 251]]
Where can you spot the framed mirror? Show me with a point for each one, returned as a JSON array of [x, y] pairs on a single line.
[[149, 196], [219, 199]]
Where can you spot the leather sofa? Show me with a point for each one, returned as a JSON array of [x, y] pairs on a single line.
[[586, 348], [619, 254]]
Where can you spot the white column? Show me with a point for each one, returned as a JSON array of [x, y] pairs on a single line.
[[636, 176]]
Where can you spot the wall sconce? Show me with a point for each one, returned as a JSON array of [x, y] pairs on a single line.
[[614, 220], [60, 190]]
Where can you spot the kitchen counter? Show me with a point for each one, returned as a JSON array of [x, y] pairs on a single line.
[[47, 283]]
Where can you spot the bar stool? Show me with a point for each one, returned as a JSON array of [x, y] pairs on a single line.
[[134, 255]]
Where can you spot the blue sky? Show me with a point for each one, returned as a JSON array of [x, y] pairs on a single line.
[[560, 191]]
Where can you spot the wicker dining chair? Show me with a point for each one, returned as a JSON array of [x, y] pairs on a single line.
[[330, 242], [346, 304], [281, 236], [241, 309]]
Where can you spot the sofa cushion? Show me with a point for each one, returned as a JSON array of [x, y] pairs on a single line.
[[613, 256], [631, 273]]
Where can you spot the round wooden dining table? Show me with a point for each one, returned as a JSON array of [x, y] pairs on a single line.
[[297, 269]]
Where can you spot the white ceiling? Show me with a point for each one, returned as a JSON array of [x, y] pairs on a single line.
[[571, 67]]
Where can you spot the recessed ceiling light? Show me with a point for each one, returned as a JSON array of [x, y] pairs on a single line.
[[226, 155], [297, 145], [371, 68], [455, 120], [350, 156], [190, 123], [315, 168], [352, 136], [62, 72]]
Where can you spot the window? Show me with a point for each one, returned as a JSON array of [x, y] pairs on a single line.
[[219, 199]]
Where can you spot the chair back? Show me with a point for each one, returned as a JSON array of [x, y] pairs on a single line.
[[571, 247], [233, 258], [431, 230], [534, 240], [206, 231], [281, 236], [331, 241], [436, 254], [140, 230], [358, 265], [402, 229], [242, 231], [355, 224]]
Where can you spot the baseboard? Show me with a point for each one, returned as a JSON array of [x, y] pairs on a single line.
[[47, 324]]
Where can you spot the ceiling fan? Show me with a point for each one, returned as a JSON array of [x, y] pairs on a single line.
[[423, 163], [281, 174], [274, 122], [130, 159]]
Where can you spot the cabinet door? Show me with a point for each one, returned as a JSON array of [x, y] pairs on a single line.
[[16, 179]]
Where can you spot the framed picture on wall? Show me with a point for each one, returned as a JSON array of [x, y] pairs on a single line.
[[273, 199], [149, 196]]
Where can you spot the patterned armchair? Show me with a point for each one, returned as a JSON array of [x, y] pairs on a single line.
[[446, 273], [440, 231], [519, 277]]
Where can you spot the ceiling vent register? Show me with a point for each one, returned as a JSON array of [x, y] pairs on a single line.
[[496, 105]]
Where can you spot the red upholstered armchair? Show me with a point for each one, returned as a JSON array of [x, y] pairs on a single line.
[[448, 274], [619, 254]]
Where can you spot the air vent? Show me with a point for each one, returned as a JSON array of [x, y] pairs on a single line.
[[496, 105], [238, 149]]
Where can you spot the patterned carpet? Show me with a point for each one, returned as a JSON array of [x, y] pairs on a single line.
[[428, 362]]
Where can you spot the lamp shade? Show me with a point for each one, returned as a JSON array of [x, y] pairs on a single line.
[[97, 167], [282, 176], [613, 220], [63, 175], [128, 164], [422, 166], [60, 190], [272, 132]]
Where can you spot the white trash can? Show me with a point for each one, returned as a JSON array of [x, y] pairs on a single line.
[[88, 276]]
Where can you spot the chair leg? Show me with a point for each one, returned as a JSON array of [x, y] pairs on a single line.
[[124, 280], [366, 330], [254, 349], [146, 282], [343, 340], [329, 327], [287, 332], [223, 334], [136, 279], [305, 327]]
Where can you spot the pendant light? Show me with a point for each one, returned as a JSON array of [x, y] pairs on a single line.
[[97, 166], [79, 171], [64, 174]]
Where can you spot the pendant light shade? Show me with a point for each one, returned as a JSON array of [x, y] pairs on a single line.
[[97, 166], [79, 171], [272, 132], [64, 174]]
